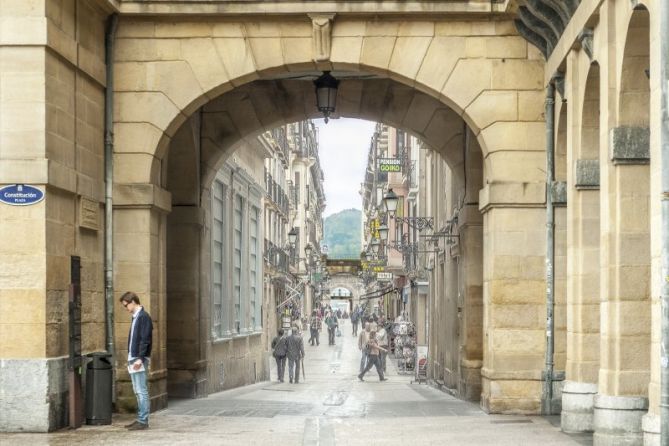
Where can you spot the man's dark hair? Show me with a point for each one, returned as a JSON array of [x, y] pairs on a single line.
[[280, 331], [128, 297]]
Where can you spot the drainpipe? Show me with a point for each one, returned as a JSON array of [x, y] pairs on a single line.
[[547, 394], [109, 178], [664, 147]]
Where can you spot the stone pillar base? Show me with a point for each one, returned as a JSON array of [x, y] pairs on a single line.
[[617, 420], [470, 382], [34, 394], [578, 405], [651, 430]]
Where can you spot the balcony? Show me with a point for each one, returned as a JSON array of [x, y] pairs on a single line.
[[276, 257], [276, 194], [281, 138]]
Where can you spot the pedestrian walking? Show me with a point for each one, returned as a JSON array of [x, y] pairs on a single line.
[[384, 341], [314, 328], [332, 323], [139, 353], [354, 322], [362, 346], [373, 350], [295, 355], [279, 351], [372, 324]]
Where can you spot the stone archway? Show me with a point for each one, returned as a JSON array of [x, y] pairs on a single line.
[[186, 95]]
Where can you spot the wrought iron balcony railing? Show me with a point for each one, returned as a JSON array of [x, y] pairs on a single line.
[[276, 194], [276, 257]]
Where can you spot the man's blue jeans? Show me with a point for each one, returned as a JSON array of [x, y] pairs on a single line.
[[141, 389]]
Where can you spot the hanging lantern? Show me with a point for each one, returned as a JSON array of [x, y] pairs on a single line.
[[292, 236], [326, 94], [383, 232], [390, 201]]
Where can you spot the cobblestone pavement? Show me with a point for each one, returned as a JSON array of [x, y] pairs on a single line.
[[329, 407]]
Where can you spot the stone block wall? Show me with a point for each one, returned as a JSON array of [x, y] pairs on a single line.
[[51, 136]]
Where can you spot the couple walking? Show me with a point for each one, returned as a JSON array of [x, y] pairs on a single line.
[[374, 350], [290, 347]]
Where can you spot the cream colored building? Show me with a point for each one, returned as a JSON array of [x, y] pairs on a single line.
[[190, 83]]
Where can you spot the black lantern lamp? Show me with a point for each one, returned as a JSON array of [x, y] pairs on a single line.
[[307, 251], [292, 236], [390, 201], [383, 232], [326, 94]]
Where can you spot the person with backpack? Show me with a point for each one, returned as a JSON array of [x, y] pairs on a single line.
[[280, 350]]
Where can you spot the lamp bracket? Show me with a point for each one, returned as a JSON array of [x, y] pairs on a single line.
[[419, 223]]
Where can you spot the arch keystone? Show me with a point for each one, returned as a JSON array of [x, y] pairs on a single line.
[[322, 36]]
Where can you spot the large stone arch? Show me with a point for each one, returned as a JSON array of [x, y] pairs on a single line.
[[165, 71], [177, 80]]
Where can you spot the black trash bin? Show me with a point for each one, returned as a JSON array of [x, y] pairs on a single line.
[[99, 389]]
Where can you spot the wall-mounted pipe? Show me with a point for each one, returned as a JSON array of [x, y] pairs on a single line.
[[547, 393], [109, 179], [664, 147]]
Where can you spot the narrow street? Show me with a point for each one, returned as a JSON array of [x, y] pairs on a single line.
[[329, 407]]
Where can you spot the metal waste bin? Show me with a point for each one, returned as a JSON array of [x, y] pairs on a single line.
[[99, 389]]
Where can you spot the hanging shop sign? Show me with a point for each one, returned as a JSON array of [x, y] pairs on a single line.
[[21, 195], [373, 265], [384, 276], [374, 225], [389, 165]]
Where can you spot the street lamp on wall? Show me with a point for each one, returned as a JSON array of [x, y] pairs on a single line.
[[326, 94], [292, 236], [390, 201], [383, 232]]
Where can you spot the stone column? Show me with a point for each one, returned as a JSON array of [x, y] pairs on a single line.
[[578, 395], [187, 301], [514, 283], [625, 309], [470, 301], [140, 212]]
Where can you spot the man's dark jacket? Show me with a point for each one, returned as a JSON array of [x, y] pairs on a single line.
[[142, 340]]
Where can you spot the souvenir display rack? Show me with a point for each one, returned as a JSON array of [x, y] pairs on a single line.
[[404, 337]]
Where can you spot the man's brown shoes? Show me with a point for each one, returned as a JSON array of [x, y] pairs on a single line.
[[137, 426]]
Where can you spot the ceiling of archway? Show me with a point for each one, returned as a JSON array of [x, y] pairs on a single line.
[[263, 105]]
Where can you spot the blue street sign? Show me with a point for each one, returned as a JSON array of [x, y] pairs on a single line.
[[21, 195]]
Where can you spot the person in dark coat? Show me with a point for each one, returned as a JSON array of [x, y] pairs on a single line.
[[139, 354], [279, 351], [332, 323], [295, 354], [314, 327]]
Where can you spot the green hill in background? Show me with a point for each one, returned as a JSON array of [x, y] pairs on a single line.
[[342, 234]]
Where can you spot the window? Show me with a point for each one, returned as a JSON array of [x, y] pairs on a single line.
[[254, 268], [220, 326], [238, 219]]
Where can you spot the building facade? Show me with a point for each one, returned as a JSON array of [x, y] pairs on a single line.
[[469, 78]]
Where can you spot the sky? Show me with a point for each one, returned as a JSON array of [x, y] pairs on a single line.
[[344, 144]]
